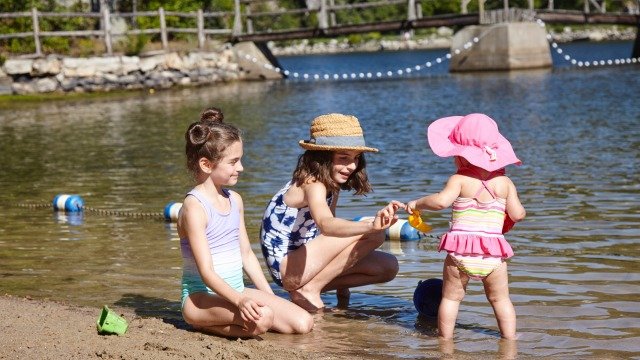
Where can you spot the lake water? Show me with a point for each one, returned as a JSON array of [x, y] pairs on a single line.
[[575, 278]]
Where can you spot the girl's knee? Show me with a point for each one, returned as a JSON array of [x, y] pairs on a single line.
[[497, 298], [265, 322], [390, 268], [455, 294], [303, 324], [190, 318]]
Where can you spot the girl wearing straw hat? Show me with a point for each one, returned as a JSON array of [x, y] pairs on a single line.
[[215, 246], [481, 196], [307, 248]]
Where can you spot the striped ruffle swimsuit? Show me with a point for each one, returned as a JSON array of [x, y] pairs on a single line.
[[475, 240], [222, 234]]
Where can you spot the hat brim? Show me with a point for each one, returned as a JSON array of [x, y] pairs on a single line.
[[438, 137], [310, 146]]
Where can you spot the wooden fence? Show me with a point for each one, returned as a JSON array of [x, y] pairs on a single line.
[[243, 23]]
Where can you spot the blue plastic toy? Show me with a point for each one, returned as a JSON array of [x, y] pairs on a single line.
[[427, 296]]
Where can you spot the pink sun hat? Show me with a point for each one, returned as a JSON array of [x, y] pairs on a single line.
[[475, 137]]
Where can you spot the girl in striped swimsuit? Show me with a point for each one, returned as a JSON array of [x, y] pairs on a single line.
[[481, 196], [215, 246]]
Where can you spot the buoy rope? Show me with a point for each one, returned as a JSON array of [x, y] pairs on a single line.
[[134, 214], [36, 206], [105, 212]]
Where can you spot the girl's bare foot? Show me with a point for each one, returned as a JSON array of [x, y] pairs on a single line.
[[306, 301], [343, 296]]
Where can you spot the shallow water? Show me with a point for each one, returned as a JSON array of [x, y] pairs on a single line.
[[574, 278]]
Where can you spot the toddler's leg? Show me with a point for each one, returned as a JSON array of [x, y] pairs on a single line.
[[453, 289], [496, 287]]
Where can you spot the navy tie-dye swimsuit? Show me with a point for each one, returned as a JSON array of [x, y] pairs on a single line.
[[284, 229]]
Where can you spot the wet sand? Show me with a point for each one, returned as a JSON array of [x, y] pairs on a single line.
[[37, 329]]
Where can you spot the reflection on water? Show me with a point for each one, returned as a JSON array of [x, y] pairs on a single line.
[[574, 280]]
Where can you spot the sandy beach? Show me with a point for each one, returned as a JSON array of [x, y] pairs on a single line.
[[37, 329]]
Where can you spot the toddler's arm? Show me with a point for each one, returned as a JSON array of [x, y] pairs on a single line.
[[330, 225], [440, 200], [514, 208]]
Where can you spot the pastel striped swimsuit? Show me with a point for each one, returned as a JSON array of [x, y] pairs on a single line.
[[475, 240], [222, 234]]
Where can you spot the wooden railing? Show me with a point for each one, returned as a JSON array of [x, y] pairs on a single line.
[[243, 21]]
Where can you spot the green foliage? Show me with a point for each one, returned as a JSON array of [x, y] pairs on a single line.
[[133, 45], [58, 45], [355, 39], [85, 47]]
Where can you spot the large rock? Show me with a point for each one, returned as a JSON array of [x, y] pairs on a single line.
[[18, 66], [507, 46], [47, 66]]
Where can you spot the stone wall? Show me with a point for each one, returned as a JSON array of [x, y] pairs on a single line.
[[65, 74]]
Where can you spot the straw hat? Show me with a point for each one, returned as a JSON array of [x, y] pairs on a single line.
[[336, 132], [475, 137]]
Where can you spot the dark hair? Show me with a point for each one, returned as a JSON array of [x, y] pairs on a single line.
[[209, 138], [315, 165]]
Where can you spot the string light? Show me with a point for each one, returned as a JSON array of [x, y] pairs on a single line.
[[439, 60]]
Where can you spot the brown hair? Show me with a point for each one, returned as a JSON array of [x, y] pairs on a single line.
[[315, 165], [209, 138]]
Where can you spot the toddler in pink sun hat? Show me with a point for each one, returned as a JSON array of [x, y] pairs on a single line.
[[481, 196]]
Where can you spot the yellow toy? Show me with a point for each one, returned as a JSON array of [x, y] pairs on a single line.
[[415, 220]]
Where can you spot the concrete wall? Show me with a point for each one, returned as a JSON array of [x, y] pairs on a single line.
[[507, 46]]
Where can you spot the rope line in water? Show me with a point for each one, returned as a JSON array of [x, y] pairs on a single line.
[[149, 215], [133, 214], [105, 212], [430, 64], [573, 61]]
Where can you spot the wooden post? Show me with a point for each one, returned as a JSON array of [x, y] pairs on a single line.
[[163, 30], [530, 4], [201, 37], [586, 6], [411, 10], [463, 6], [134, 18], [505, 4], [36, 31], [322, 15], [550, 5], [237, 19], [481, 14], [332, 14], [247, 11], [106, 24], [419, 10]]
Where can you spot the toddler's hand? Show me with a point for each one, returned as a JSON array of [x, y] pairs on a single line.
[[411, 206]]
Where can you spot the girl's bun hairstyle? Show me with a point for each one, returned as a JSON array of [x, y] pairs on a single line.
[[209, 138], [212, 114], [198, 134]]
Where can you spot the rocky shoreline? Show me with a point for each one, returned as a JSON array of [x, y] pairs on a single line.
[[229, 63]]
